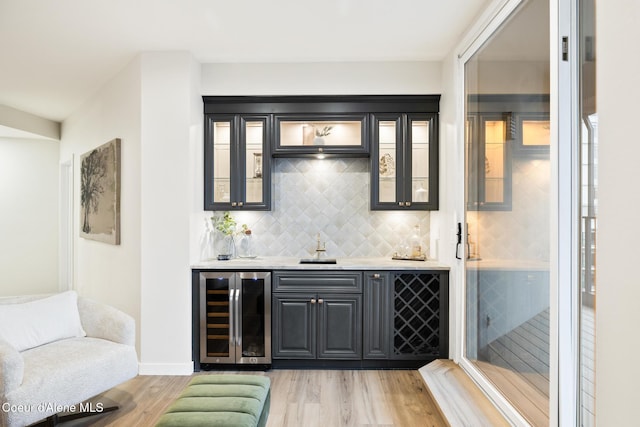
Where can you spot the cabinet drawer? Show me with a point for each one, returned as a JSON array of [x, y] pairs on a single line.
[[317, 281]]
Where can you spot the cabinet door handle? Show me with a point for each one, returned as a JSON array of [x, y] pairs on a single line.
[[313, 300], [401, 203], [240, 204], [407, 204], [234, 204], [320, 300], [376, 276]]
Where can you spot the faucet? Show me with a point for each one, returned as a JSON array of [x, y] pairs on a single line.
[[320, 247]]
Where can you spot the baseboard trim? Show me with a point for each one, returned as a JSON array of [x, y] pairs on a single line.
[[165, 368]]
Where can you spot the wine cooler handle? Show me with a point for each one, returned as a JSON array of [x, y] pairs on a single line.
[[232, 316], [236, 319]]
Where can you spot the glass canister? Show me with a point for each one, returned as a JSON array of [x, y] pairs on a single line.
[[245, 245], [416, 246]]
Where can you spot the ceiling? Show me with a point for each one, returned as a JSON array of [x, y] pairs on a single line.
[[56, 54]]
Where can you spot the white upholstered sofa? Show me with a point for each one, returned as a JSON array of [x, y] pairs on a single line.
[[58, 350]]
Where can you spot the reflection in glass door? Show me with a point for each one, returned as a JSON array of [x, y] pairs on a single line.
[[507, 334], [588, 210]]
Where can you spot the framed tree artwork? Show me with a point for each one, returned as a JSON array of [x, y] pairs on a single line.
[[100, 193]]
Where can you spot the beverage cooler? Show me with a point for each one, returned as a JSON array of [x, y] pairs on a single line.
[[235, 317]]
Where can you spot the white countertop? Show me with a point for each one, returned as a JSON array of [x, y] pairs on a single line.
[[292, 263], [366, 263]]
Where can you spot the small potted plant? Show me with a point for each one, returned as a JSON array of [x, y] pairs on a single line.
[[320, 134]]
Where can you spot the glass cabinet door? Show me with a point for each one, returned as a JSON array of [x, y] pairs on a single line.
[[237, 163], [404, 162], [388, 149], [223, 134], [301, 135], [253, 140], [419, 138]]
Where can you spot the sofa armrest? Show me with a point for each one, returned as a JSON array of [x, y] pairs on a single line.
[[106, 322], [11, 368]]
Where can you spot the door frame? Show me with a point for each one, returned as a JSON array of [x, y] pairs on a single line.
[[562, 259]]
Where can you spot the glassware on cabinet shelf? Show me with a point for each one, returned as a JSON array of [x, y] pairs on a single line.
[[257, 165], [422, 195]]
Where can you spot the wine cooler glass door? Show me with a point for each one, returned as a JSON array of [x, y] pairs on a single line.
[[253, 322], [217, 293]]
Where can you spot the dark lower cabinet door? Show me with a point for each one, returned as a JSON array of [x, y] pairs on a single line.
[[294, 320], [339, 329], [376, 328]]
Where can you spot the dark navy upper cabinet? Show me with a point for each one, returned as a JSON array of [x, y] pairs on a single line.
[[404, 161], [399, 133], [237, 162]]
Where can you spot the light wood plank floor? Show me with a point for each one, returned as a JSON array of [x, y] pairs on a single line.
[[322, 398]]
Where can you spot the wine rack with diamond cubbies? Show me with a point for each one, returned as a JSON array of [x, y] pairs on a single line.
[[420, 315]]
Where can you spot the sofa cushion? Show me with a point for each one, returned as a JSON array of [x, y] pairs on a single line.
[[34, 323], [66, 372]]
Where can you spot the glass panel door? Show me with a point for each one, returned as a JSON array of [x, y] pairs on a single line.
[[419, 160], [507, 295], [588, 210], [216, 321], [222, 137], [254, 139], [388, 140], [332, 131], [254, 317]]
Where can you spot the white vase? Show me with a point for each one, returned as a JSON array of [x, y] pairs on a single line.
[[318, 140]]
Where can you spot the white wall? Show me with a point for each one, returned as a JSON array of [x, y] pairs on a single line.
[[109, 273], [618, 292], [171, 127], [28, 216], [153, 106], [328, 78]]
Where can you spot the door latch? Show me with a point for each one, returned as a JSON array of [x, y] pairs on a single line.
[[459, 241]]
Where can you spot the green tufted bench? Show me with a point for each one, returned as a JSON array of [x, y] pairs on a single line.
[[221, 400]]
